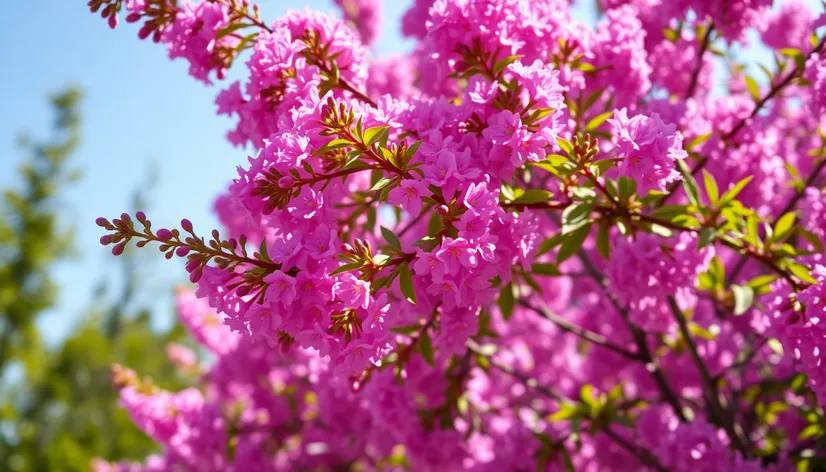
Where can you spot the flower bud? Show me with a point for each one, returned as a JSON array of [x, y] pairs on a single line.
[[286, 182], [118, 250]]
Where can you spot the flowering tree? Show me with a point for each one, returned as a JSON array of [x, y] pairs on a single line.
[[530, 244]]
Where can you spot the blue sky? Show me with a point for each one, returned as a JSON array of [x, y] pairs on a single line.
[[140, 108]]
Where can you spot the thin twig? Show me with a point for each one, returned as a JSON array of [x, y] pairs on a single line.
[[527, 380], [583, 333], [718, 405], [641, 453], [695, 75]]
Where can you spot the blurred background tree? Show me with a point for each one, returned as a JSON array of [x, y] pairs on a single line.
[[58, 409]]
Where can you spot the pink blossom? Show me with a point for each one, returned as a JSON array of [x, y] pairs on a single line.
[[648, 148], [354, 292]]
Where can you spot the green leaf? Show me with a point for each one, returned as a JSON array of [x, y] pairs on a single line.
[[584, 193], [230, 29], [586, 394], [707, 237], [599, 167], [697, 141], [717, 269], [743, 298], [503, 63], [627, 187], [732, 193], [689, 183], [262, 254], [801, 272], [572, 242], [411, 151], [566, 146], [567, 411], [669, 212], [711, 187], [813, 239], [575, 214], [352, 157], [406, 283], [391, 238], [598, 120], [671, 34], [334, 144], [347, 268], [709, 334], [762, 281], [545, 268], [795, 54], [426, 346], [382, 182], [434, 225], [371, 135], [754, 89], [534, 195], [549, 244], [381, 259], [705, 281], [811, 431], [784, 227], [507, 301], [592, 99], [752, 237], [537, 115], [603, 239], [359, 129]]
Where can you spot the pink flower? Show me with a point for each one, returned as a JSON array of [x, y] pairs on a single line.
[[789, 27], [280, 287], [353, 292], [409, 195], [307, 203], [455, 254], [648, 148]]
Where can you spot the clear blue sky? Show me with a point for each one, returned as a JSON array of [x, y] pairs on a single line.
[[140, 108]]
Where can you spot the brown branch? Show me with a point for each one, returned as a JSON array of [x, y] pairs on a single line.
[[526, 380], [645, 456], [692, 86], [712, 394], [585, 334]]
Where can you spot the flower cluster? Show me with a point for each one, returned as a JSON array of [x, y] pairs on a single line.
[[530, 243]]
